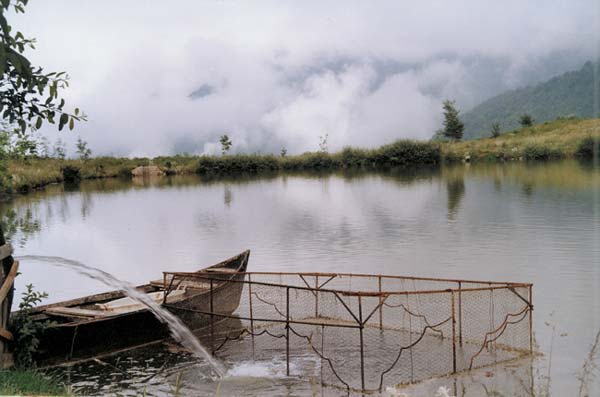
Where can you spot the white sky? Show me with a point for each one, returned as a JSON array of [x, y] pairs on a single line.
[[284, 73]]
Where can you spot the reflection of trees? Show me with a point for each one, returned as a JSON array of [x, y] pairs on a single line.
[[527, 189], [22, 223], [455, 185], [227, 195], [86, 204], [63, 209]]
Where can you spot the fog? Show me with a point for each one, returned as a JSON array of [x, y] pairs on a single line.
[[163, 78]]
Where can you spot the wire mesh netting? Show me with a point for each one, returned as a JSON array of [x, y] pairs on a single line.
[[365, 332]]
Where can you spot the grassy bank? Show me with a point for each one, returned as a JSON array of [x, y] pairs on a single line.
[[562, 138], [399, 153], [33, 173], [558, 139], [29, 382]]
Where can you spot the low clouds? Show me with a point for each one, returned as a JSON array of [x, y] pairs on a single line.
[[284, 73]]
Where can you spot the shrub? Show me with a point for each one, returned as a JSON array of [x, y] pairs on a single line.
[[352, 157], [588, 148], [526, 120], [495, 130], [407, 152], [71, 174], [26, 331], [236, 164], [541, 152]]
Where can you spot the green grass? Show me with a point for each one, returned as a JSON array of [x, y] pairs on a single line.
[[561, 138], [29, 382]]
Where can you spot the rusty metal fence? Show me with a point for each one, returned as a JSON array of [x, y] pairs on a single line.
[[365, 332]]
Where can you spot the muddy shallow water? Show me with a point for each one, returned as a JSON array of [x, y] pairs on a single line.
[[535, 223]]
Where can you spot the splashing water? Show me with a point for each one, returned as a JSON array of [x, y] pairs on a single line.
[[178, 330]]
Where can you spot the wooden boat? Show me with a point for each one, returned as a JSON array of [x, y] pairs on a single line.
[[111, 321]]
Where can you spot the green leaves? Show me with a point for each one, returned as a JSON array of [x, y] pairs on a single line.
[[29, 95], [4, 25], [64, 118], [2, 60]]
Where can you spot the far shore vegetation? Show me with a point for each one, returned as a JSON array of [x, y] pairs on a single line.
[[563, 138]]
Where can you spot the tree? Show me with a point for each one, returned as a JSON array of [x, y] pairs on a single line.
[[453, 127], [283, 152], [29, 96], [23, 145], [323, 146], [4, 175], [44, 145], [495, 130], [82, 150], [526, 120], [225, 144], [59, 150]]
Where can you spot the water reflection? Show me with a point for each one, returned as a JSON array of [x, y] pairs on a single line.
[[19, 224], [514, 221], [455, 186], [227, 195]]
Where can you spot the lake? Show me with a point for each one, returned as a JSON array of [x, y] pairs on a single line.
[[521, 222]]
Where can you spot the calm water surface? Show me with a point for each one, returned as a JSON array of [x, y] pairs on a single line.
[[535, 223]]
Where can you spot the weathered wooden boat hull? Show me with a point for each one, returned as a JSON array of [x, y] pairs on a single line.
[[83, 338]]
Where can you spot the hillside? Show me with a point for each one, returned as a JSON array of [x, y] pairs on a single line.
[[570, 94], [558, 139]]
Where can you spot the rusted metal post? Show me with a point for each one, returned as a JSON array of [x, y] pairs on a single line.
[[251, 312], [250, 304], [531, 319], [380, 305], [453, 334], [362, 348], [287, 329], [322, 351], [212, 322], [316, 296], [460, 336]]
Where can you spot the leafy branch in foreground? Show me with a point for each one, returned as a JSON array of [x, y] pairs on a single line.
[[28, 95]]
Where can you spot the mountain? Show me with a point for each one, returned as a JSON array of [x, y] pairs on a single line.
[[568, 95]]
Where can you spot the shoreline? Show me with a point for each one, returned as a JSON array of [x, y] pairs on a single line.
[[557, 140]]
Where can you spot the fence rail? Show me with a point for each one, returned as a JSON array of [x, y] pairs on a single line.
[[366, 331]]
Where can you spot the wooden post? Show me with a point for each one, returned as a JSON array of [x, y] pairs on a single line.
[[7, 274]]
